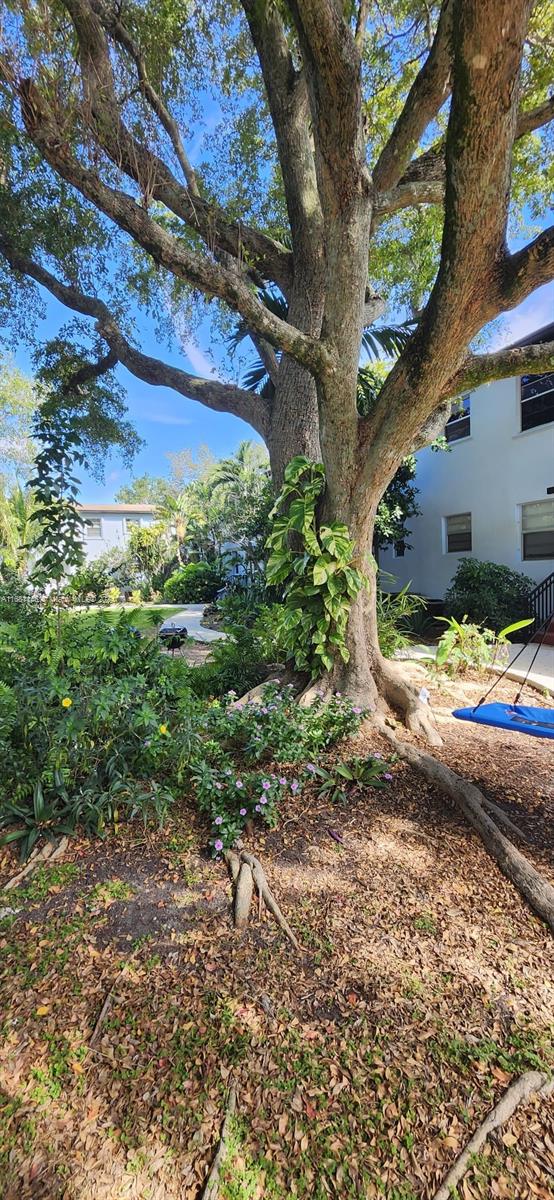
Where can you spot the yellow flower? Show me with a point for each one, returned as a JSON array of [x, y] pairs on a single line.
[[163, 729], [66, 702]]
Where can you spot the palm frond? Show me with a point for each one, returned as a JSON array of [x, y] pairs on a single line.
[[387, 341], [273, 301]]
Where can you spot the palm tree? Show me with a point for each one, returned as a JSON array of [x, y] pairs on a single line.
[[18, 525], [245, 485], [248, 465], [174, 515]]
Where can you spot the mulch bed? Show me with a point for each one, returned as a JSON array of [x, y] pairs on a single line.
[[362, 1065]]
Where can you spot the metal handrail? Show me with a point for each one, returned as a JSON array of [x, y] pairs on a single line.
[[541, 599]]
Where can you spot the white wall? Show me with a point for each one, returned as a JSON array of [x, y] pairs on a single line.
[[114, 531], [489, 474]]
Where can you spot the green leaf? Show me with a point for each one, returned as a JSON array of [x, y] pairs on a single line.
[[516, 625]]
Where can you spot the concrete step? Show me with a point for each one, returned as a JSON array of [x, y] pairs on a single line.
[[546, 639]]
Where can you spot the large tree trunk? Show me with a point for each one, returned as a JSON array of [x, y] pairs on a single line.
[[369, 679], [294, 415]]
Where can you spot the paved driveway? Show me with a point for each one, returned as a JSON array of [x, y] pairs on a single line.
[[192, 616]]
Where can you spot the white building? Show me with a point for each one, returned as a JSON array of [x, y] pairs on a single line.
[[107, 526], [490, 496]]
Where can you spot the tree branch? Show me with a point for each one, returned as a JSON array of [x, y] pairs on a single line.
[[120, 33], [406, 195], [268, 357], [534, 118], [430, 167], [333, 67], [222, 397], [287, 96], [426, 96], [361, 22], [480, 136], [502, 364], [528, 268], [89, 371], [209, 277], [148, 170]]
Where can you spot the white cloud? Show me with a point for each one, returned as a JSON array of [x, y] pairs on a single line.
[[536, 311], [167, 419], [199, 362]]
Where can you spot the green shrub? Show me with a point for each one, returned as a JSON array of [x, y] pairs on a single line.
[[488, 593], [193, 584], [102, 727], [17, 601], [98, 725], [235, 663], [90, 583], [396, 615], [465, 646]]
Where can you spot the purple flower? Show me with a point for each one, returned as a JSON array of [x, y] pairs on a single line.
[[266, 785], [282, 781], [239, 783], [239, 707], [242, 812], [257, 808], [218, 844], [218, 820], [338, 693], [263, 799], [377, 755], [219, 786], [294, 785], [355, 709], [264, 711], [387, 775], [310, 767]]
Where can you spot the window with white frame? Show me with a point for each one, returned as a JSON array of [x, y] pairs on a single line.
[[537, 529], [93, 527], [130, 522], [459, 424], [458, 533], [537, 400]]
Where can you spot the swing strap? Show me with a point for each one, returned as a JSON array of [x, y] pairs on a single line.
[[543, 630]]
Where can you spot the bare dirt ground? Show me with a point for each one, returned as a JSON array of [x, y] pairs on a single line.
[[362, 1065]]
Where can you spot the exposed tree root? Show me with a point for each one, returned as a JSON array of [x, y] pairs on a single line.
[[244, 890], [527, 1085], [49, 853], [211, 1190], [536, 890], [503, 819], [405, 697], [246, 871]]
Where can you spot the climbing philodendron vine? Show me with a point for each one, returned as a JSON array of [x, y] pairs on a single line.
[[316, 566]]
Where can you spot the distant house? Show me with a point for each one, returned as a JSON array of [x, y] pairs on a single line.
[[107, 526], [491, 495]]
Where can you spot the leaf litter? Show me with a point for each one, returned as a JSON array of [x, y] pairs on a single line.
[[361, 1066]]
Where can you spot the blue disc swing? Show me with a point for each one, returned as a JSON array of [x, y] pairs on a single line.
[[518, 718]]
